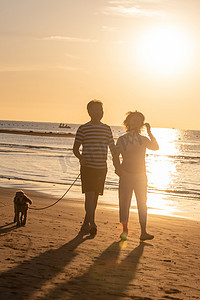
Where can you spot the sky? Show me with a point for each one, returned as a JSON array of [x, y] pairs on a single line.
[[144, 55]]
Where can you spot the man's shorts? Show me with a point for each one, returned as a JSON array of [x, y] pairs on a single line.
[[93, 180]]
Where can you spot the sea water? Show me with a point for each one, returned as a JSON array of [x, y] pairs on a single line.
[[47, 164]]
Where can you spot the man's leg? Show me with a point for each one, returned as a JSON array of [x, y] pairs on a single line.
[[91, 199]]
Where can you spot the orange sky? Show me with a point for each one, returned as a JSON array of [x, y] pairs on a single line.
[[56, 56]]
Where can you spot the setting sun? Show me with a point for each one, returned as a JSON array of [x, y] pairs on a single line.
[[165, 49]]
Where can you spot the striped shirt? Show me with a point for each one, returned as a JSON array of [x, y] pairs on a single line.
[[95, 140]]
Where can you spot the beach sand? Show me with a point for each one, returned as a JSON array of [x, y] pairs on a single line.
[[48, 259]]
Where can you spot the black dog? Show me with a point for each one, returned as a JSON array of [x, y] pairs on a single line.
[[21, 206]]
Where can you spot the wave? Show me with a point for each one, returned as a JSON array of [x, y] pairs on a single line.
[[14, 146], [37, 180], [25, 146], [184, 157], [175, 157], [190, 194]]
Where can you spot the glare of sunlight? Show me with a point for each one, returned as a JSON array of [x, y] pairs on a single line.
[[168, 140], [123, 244], [162, 169], [165, 49], [160, 205], [161, 172]]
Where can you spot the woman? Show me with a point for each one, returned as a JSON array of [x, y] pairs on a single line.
[[132, 171]]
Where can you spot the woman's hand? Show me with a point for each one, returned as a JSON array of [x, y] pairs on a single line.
[[148, 127]]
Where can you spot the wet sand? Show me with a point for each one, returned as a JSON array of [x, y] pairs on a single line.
[[48, 259]]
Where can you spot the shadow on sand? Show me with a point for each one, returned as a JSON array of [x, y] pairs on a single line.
[[29, 276], [105, 279], [8, 227]]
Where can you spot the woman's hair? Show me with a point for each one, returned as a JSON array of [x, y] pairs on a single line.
[[134, 121]]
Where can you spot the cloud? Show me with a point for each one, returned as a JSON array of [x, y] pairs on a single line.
[[9, 69], [122, 2], [130, 8], [119, 42], [72, 69], [68, 68], [68, 39], [109, 28], [135, 2], [72, 56]]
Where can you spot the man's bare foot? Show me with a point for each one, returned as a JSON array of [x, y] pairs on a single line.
[[146, 236], [85, 229]]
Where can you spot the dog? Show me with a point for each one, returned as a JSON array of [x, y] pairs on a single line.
[[21, 206]]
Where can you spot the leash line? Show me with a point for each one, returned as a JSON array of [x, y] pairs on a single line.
[[34, 208]]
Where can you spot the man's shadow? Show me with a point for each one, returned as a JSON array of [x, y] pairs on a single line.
[[105, 279], [23, 280]]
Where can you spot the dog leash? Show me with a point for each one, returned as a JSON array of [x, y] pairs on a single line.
[[34, 208]]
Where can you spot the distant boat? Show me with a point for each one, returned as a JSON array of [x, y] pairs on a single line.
[[63, 125]]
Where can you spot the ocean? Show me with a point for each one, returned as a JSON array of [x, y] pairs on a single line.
[[47, 164]]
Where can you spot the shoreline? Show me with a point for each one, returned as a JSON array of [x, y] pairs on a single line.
[[35, 133], [158, 204], [48, 259]]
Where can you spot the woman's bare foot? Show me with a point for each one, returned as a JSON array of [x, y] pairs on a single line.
[[146, 236], [124, 235]]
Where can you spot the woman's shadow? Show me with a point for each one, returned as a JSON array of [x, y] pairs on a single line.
[[105, 279], [29, 276]]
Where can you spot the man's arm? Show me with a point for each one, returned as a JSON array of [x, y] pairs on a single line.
[[115, 158], [76, 151]]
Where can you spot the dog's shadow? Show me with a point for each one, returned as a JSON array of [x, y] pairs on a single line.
[[8, 228]]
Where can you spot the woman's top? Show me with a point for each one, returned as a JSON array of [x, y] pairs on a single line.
[[133, 147]]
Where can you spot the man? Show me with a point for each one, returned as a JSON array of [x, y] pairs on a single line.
[[95, 138]]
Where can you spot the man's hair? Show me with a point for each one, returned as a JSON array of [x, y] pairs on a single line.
[[134, 121], [92, 103]]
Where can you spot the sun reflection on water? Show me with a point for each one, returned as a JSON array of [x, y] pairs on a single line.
[[172, 187], [162, 171]]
